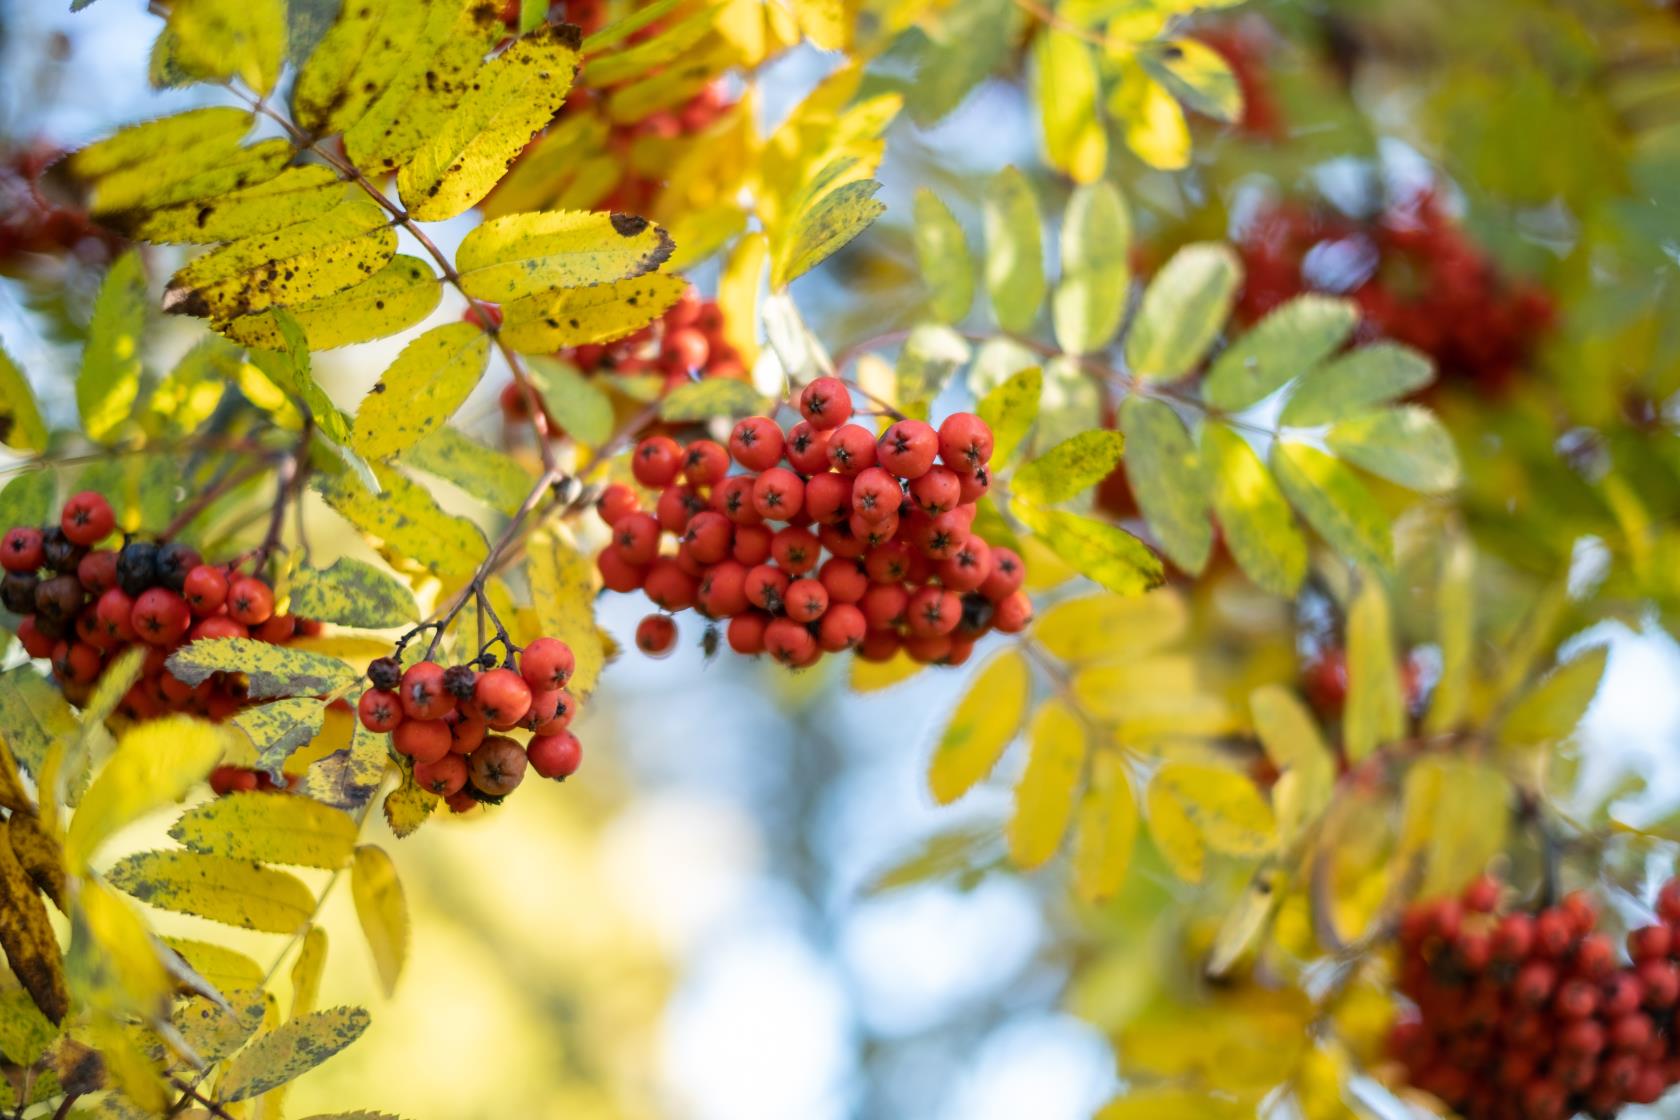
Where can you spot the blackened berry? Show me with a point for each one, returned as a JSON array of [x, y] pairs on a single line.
[[385, 673], [137, 567], [58, 598], [174, 561], [459, 681], [17, 591], [60, 552]]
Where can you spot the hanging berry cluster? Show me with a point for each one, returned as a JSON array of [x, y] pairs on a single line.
[[1532, 1015], [1416, 275], [452, 722], [856, 542]]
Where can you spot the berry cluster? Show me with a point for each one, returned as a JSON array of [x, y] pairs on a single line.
[[858, 542], [684, 344], [1532, 1015], [31, 222], [1245, 46], [449, 721], [81, 605], [1416, 275]]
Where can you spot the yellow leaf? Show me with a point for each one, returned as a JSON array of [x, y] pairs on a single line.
[[873, 676], [354, 62], [1113, 690], [109, 381], [1375, 713], [279, 728], [237, 892], [218, 39], [820, 229], [1203, 807], [155, 764], [1056, 743], [136, 1082], [271, 670], [267, 829], [420, 390], [1244, 923], [1154, 124], [291, 1050], [1259, 527], [382, 910], [393, 299], [520, 255], [225, 969], [508, 102], [984, 722], [739, 286], [113, 961], [306, 971], [1290, 736], [1175, 834], [1107, 830], [827, 23], [563, 592], [21, 425], [26, 935], [578, 316], [1075, 141], [408, 806], [163, 136], [1455, 610], [1106, 554], [1551, 709], [1180, 1104], [412, 532]]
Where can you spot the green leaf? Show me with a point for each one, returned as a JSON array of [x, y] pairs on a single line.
[[1375, 712], [271, 670], [419, 391], [1406, 445], [1455, 610], [1068, 94], [1334, 502], [1182, 311], [1090, 301], [1010, 410], [1196, 75], [1099, 551], [294, 265], [393, 299], [155, 764], [382, 910], [519, 255], [544, 323], [1069, 467], [1553, 707], [1355, 383], [508, 102], [297, 194], [404, 521], [1165, 472], [1107, 830], [267, 829], [290, 1051], [824, 227], [29, 498], [289, 370], [234, 892], [1258, 527], [965, 44], [279, 728], [34, 715], [214, 40], [1044, 798], [1014, 250], [492, 477], [352, 593], [984, 722], [942, 254], [574, 402], [1289, 341], [354, 62], [703, 400], [21, 426], [109, 382]]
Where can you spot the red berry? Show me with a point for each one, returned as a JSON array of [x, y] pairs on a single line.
[[1668, 902], [1595, 957], [733, 497], [1513, 937], [616, 501], [160, 617], [617, 573], [1014, 613], [1575, 999], [636, 536], [756, 443], [87, 518], [444, 776], [846, 581], [766, 584], [1482, 895], [710, 536], [842, 627], [424, 740], [656, 635], [907, 449], [656, 461], [547, 663], [705, 462], [965, 442], [502, 697], [796, 550], [851, 449], [789, 642], [936, 491], [1661, 980], [250, 601], [1534, 983], [219, 626], [1630, 1032], [1553, 933], [826, 403], [1006, 575], [778, 494], [807, 449], [805, 600], [752, 543], [205, 589], [21, 550], [884, 605], [379, 710], [466, 731], [555, 756], [423, 693], [115, 613], [685, 349], [876, 495], [879, 645], [668, 587], [723, 590], [746, 633], [97, 571], [1649, 943], [1623, 994], [932, 612], [967, 568], [278, 630], [828, 497], [929, 649]]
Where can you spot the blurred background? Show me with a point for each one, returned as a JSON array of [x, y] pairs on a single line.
[[701, 925]]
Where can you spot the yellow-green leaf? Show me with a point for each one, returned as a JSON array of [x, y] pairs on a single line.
[[408, 806], [563, 592], [1056, 746], [1100, 627], [1292, 339], [1334, 502], [984, 722], [352, 592], [1455, 610], [1068, 93], [1069, 467], [1406, 445], [109, 381], [1222, 805], [1101, 552], [1164, 470], [1010, 411], [393, 299], [494, 478], [267, 829], [295, 195], [155, 764], [306, 971], [1155, 128], [237, 892], [1014, 250], [270, 670], [1375, 712], [822, 228], [406, 524], [1182, 311], [1356, 383], [354, 62], [223, 968], [1107, 830], [1291, 739], [289, 370], [576, 404], [1551, 709], [520, 255], [1090, 300], [34, 716], [1258, 526], [578, 316], [942, 255], [24, 1032], [348, 777], [511, 98], [218, 39], [290, 1051], [279, 728], [21, 426], [113, 961], [288, 266], [421, 389], [151, 140], [1112, 689], [382, 912], [709, 398], [1197, 75]]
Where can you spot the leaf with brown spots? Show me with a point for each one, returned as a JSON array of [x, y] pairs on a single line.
[[420, 390], [391, 300], [521, 255], [291, 1050], [354, 62], [237, 892], [576, 316], [26, 935]]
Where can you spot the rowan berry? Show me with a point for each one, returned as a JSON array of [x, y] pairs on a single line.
[[842, 627], [616, 501], [218, 626], [852, 449], [1649, 943], [1661, 981], [668, 587], [841, 541], [807, 449], [656, 635], [967, 568], [277, 630], [746, 633], [965, 442], [796, 550], [709, 536], [1553, 933], [423, 740], [636, 537], [97, 571], [723, 590], [933, 611], [423, 693], [929, 649], [60, 552], [444, 776], [161, 617], [385, 673], [380, 710], [1668, 902], [885, 605], [778, 494], [685, 349], [20, 550], [502, 698], [873, 534], [805, 600], [1014, 613], [826, 403], [846, 581], [617, 573], [555, 756], [17, 592], [136, 567], [34, 642], [466, 731], [876, 495], [908, 448], [756, 443], [656, 461], [936, 491], [87, 518], [879, 645], [752, 543], [250, 601], [973, 487], [1006, 576], [789, 642], [174, 561], [497, 767], [675, 506], [547, 663]]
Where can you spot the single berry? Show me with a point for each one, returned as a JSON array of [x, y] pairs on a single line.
[[137, 567], [161, 617], [250, 601], [842, 627], [423, 740], [756, 443], [502, 697], [965, 442], [908, 448], [746, 633], [17, 592], [616, 501], [87, 518], [466, 731], [852, 449], [497, 766], [656, 635], [58, 599], [789, 642], [97, 571], [423, 694], [60, 552], [547, 663], [444, 776], [555, 756], [379, 710], [656, 461], [20, 550], [826, 403], [805, 600], [806, 449], [383, 673], [174, 561], [705, 462]]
